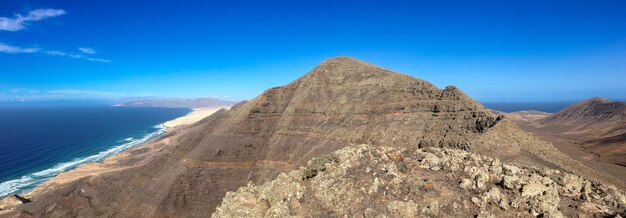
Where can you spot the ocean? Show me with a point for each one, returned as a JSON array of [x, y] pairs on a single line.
[[38, 142], [550, 107]]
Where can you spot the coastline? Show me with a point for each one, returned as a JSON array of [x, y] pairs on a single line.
[[21, 185], [105, 161], [194, 116]]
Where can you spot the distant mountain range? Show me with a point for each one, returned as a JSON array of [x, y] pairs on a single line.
[[175, 103]]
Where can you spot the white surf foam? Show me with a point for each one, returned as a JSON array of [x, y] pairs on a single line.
[[31, 181]]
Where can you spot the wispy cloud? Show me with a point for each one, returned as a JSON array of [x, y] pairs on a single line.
[[82, 92], [87, 50], [15, 49], [76, 56], [56, 53], [19, 22], [5, 48], [22, 94], [22, 90]]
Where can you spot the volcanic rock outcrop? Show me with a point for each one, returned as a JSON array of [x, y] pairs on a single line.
[[368, 181], [341, 102]]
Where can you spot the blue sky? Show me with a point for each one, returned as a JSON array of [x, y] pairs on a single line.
[[496, 51]]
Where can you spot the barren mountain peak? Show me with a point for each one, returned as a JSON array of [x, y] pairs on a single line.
[[343, 59], [345, 66], [340, 73], [599, 99]]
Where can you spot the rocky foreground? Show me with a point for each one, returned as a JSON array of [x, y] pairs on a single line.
[[381, 181]]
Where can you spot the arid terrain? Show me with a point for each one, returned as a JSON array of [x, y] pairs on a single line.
[[597, 124], [341, 103], [523, 117], [592, 131]]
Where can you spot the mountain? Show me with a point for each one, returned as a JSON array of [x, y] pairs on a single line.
[[341, 102], [593, 115], [177, 103], [594, 130]]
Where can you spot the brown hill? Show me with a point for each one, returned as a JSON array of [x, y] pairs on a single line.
[[593, 130], [341, 102], [593, 115]]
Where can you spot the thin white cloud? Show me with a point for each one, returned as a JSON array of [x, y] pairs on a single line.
[[87, 50], [22, 90], [23, 94], [98, 60], [15, 49], [82, 92], [78, 56], [19, 21], [56, 53], [4, 48]]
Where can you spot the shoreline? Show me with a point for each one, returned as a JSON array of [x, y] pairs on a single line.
[[25, 183], [194, 116], [93, 165]]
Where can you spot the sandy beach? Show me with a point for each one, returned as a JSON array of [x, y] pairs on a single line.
[[196, 115]]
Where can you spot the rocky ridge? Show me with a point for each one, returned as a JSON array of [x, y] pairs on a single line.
[[380, 181]]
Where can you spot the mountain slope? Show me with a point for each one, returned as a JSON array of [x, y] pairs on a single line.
[[341, 102], [593, 115], [596, 126]]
